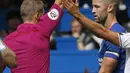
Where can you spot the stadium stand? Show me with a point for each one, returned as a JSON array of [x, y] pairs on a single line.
[[74, 61]]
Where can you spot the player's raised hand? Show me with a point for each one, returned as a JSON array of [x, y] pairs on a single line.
[[59, 2], [72, 6]]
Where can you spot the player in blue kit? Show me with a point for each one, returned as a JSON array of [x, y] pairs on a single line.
[[111, 57]]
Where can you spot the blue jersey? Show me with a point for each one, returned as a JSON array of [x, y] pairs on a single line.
[[108, 49]]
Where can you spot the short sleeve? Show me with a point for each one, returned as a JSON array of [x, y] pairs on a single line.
[[112, 51], [124, 39]]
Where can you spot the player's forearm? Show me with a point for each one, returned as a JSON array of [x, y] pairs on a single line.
[[97, 29], [8, 56], [88, 24]]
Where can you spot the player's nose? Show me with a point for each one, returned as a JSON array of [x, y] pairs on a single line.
[[93, 10]]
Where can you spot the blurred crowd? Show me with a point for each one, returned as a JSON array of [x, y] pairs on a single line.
[[85, 40]]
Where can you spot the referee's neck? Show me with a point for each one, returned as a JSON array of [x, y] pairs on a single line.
[[30, 22]]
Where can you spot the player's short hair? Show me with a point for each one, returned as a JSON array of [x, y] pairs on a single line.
[[111, 1], [114, 2], [29, 8]]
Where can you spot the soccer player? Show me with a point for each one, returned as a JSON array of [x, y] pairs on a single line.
[[111, 57], [120, 39], [30, 41], [7, 57]]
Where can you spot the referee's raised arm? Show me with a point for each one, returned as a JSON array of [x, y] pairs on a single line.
[[51, 19]]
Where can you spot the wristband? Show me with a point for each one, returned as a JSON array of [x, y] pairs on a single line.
[[2, 47]]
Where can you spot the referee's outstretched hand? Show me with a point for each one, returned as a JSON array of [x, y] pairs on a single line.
[[59, 2], [72, 6]]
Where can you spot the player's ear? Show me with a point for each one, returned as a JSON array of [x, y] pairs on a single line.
[[37, 15], [110, 8]]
